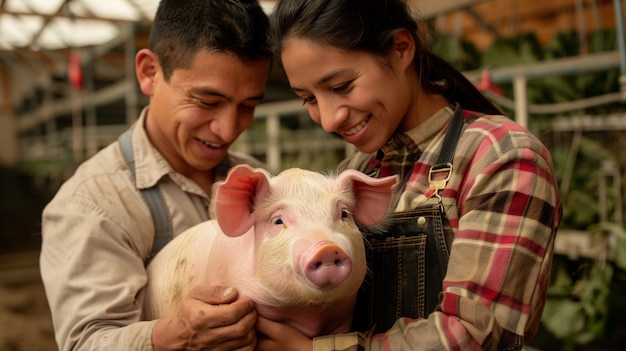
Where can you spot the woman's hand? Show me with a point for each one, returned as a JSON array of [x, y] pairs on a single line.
[[276, 336]]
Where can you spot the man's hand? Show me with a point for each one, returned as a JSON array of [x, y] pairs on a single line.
[[275, 336], [209, 318]]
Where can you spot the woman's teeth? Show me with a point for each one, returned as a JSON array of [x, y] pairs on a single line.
[[356, 128], [210, 144]]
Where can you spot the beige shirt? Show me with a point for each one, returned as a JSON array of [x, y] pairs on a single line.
[[97, 232]]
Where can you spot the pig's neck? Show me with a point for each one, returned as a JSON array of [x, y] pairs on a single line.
[[313, 320]]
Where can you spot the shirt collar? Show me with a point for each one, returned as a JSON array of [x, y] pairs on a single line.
[[150, 165], [424, 133], [420, 136]]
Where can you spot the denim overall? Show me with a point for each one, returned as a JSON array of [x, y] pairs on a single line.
[[407, 266], [407, 263]]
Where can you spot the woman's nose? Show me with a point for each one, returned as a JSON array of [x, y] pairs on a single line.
[[331, 116]]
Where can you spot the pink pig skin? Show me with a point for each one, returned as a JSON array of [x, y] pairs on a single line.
[[289, 242]]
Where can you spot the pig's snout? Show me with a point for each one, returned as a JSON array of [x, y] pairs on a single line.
[[328, 266]]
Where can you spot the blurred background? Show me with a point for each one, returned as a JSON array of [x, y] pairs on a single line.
[[67, 89]]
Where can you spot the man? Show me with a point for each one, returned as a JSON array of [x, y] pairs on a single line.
[[204, 71]]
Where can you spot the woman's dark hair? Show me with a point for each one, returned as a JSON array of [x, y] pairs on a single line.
[[369, 26], [183, 27]]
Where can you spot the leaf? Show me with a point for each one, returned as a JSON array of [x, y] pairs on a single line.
[[561, 283], [563, 317], [577, 308], [619, 232]]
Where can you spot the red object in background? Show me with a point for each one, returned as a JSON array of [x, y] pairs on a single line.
[[486, 84], [74, 70]]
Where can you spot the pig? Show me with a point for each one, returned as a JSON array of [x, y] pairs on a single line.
[[290, 242]]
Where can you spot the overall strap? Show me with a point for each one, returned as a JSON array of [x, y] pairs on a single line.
[[442, 170], [152, 197], [455, 128]]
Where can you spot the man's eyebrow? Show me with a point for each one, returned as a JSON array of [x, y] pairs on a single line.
[[213, 92], [324, 79]]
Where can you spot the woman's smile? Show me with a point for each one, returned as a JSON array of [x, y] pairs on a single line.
[[357, 128]]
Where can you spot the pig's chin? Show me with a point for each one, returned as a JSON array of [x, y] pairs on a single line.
[[313, 320], [302, 293]]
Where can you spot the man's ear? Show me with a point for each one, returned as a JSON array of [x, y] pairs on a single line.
[[146, 68], [403, 48]]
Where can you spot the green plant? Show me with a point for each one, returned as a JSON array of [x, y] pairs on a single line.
[[578, 309]]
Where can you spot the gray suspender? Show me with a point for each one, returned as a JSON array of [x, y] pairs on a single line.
[[152, 197]]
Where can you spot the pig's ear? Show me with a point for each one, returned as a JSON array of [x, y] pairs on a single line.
[[234, 200], [373, 195]]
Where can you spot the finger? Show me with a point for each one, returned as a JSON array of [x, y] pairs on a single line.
[[213, 294], [277, 336], [266, 344], [240, 335], [267, 332], [246, 348], [171, 332], [216, 306], [268, 327], [246, 343], [198, 315]]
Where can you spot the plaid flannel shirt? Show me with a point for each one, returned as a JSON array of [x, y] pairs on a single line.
[[504, 208]]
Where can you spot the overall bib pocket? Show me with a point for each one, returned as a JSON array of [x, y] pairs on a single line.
[[406, 268]]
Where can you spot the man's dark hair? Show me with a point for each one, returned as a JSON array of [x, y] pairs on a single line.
[[182, 28]]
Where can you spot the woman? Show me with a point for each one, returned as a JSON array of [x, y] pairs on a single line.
[[466, 259]]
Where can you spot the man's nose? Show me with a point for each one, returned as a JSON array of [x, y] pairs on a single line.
[[226, 125]]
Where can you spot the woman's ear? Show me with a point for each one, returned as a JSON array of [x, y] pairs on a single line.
[[146, 68], [403, 48]]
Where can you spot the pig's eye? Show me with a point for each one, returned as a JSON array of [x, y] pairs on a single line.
[[278, 221], [345, 213]]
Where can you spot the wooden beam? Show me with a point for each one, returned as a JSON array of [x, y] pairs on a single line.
[[50, 16], [543, 18], [6, 102], [429, 8], [113, 92], [60, 10], [579, 243], [139, 10], [8, 133]]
